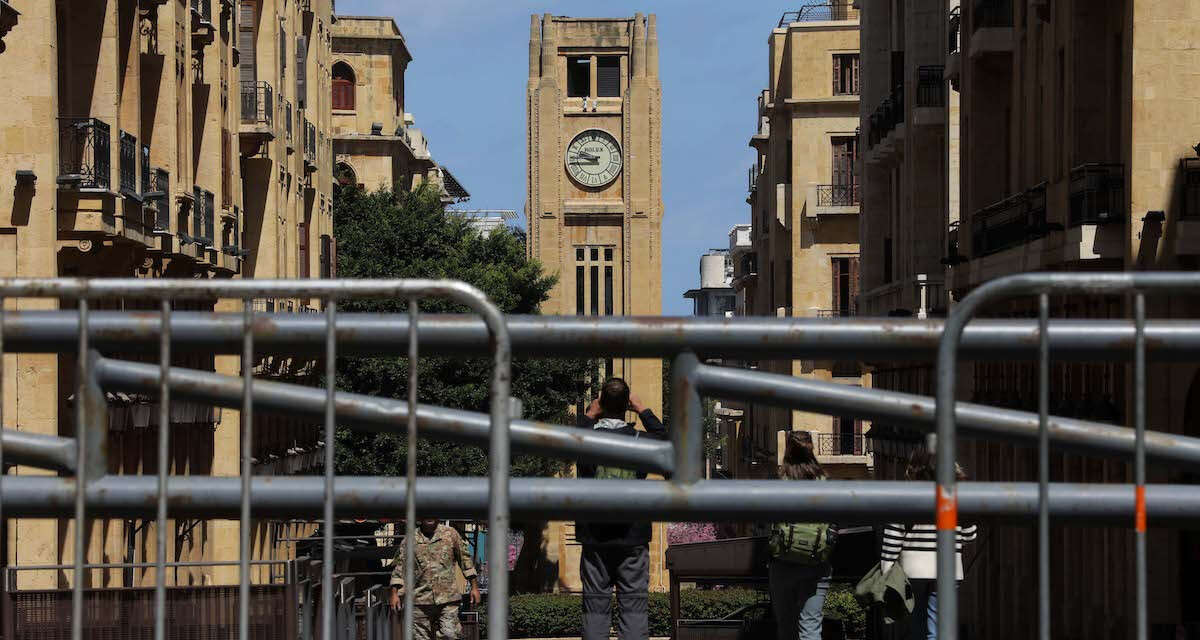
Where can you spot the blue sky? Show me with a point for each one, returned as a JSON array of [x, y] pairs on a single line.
[[466, 89]]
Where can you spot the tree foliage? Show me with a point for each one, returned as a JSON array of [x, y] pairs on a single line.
[[386, 234]]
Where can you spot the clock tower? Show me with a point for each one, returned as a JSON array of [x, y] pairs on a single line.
[[594, 183]]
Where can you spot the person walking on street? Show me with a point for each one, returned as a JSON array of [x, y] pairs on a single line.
[[616, 554], [914, 546], [437, 549], [799, 571]]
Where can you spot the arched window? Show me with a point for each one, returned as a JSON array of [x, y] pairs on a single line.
[[344, 175], [343, 87]]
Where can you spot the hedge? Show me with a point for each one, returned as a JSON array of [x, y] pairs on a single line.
[[559, 615]]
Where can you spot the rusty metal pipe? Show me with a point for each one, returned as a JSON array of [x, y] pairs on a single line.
[[385, 415], [911, 410], [571, 336], [601, 500], [38, 450]]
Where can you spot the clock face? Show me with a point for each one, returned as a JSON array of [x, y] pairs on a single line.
[[594, 158]]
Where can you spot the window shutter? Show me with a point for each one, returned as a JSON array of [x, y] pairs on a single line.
[[246, 40], [837, 75], [301, 72], [302, 231], [854, 70], [608, 77], [836, 272], [282, 57], [854, 285]]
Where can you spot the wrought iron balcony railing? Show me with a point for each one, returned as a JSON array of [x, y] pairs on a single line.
[[1097, 194], [842, 444], [128, 168], [848, 312], [837, 195], [1190, 170], [202, 218], [991, 14], [819, 12], [84, 147], [202, 9], [258, 103], [954, 30], [310, 144], [931, 87], [289, 123], [1011, 222], [156, 196]]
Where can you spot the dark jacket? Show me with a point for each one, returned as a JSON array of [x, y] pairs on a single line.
[[618, 534]]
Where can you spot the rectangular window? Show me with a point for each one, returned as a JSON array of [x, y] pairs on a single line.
[[579, 76], [608, 288], [608, 254], [787, 166], [595, 254], [595, 280], [845, 74], [246, 41], [579, 254], [844, 161], [579, 308], [608, 76], [282, 56], [302, 254]]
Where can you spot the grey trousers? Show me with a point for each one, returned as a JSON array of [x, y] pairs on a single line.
[[627, 569]]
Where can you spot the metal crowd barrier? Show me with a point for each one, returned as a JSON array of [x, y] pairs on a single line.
[[92, 492]]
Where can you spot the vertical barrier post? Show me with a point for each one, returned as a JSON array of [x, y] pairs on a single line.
[[247, 454], [81, 464], [410, 473], [687, 414], [164, 462], [1043, 467], [1139, 462], [327, 589]]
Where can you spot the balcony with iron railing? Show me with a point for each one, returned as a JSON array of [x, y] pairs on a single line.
[[258, 108], [157, 201], [202, 11], [991, 27], [84, 147], [954, 47], [885, 126], [930, 103], [1097, 194], [310, 146], [833, 199], [831, 10], [1012, 222], [843, 444], [1187, 223], [127, 170], [289, 125]]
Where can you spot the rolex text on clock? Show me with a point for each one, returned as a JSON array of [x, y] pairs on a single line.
[[594, 158]]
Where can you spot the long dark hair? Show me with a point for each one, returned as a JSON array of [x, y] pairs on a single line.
[[921, 464], [799, 459]]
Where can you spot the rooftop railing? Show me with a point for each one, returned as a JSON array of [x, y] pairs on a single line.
[[820, 12]]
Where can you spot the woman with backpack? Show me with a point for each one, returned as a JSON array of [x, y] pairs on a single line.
[[800, 553], [914, 546]]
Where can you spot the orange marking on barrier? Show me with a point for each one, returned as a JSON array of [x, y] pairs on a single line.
[[947, 509], [1139, 520]]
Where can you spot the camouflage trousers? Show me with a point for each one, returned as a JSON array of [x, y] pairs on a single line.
[[436, 622]]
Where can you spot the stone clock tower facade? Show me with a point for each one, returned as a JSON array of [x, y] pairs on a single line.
[[594, 179]]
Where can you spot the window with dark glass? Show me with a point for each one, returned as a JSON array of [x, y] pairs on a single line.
[[343, 87], [579, 76], [608, 76]]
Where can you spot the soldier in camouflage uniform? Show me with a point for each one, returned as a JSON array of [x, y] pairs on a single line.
[[436, 549]]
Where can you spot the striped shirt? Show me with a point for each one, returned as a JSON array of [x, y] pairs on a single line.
[[914, 546]]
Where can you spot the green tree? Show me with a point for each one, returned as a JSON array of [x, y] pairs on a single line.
[[386, 234]]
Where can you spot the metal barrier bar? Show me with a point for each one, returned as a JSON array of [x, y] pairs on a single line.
[[81, 466], [687, 434], [600, 500], [911, 410], [1139, 464], [385, 415], [329, 484], [898, 339], [410, 488], [164, 463], [1117, 283], [36, 450], [1043, 469], [247, 453]]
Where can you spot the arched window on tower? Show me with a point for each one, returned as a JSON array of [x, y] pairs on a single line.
[[343, 87]]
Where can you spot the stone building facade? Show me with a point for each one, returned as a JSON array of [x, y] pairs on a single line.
[[594, 208], [1066, 144], [804, 210], [164, 139], [374, 141]]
